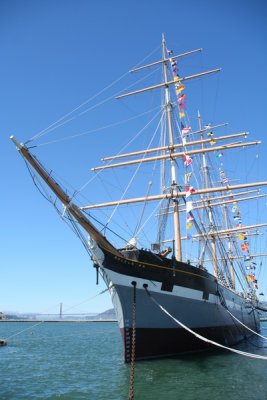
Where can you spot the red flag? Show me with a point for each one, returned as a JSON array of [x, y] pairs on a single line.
[[181, 98], [189, 190], [186, 129], [244, 247], [189, 218], [187, 160]]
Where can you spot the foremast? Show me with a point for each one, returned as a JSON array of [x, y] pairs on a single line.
[[174, 186], [174, 192]]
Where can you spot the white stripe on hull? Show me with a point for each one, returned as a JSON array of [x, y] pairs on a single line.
[[185, 304]]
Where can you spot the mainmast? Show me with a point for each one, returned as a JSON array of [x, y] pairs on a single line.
[[205, 170], [169, 107]]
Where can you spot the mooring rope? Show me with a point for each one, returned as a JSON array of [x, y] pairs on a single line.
[[42, 322], [24, 330], [223, 303], [245, 326], [204, 339]]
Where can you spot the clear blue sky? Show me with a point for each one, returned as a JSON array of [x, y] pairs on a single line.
[[54, 56]]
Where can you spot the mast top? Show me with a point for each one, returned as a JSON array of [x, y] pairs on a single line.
[[17, 144], [174, 57]]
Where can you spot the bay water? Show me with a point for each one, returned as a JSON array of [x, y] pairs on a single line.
[[84, 360]]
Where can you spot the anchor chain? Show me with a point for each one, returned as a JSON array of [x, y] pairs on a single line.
[[132, 366]]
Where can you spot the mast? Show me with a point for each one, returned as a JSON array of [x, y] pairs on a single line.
[[175, 146], [178, 154], [206, 185], [179, 194], [230, 250], [176, 218]]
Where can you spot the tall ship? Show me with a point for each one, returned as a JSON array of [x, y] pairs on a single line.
[[184, 257]]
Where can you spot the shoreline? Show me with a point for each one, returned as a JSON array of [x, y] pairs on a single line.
[[58, 320]]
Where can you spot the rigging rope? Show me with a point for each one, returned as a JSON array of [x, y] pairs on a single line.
[[61, 121], [204, 339], [137, 168], [124, 147], [69, 220], [98, 129], [56, 124]]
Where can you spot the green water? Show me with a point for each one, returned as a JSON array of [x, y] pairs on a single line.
[[74, 361]]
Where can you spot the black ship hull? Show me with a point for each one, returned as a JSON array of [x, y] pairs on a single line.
[[190, 294]]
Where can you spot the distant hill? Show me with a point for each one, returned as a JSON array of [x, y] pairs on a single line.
[[108, 314]]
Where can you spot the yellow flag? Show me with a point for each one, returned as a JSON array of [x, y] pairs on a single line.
[[179, 89], [213, 141], [181, 114], [250, 278], [189, 224], [241, 236]]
